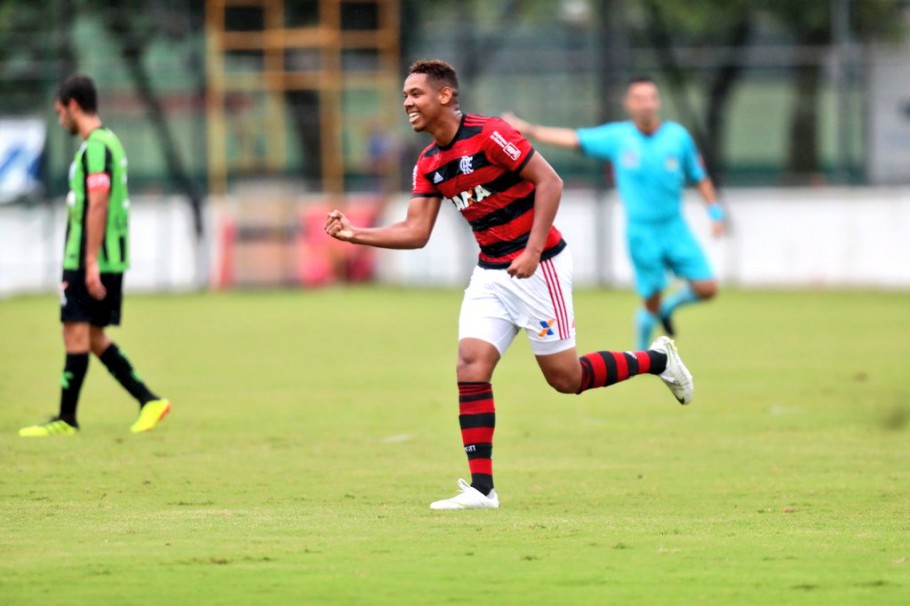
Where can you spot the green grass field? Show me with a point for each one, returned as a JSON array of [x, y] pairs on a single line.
[[312, 429]]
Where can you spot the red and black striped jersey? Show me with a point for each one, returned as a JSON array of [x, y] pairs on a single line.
[[478, 172]]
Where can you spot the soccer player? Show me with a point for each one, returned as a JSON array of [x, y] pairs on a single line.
[[96, 255], [652, 160], [509, 195]]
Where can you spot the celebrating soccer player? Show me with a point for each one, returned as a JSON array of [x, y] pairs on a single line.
[[509, 195], [652, 160], [95, 257]]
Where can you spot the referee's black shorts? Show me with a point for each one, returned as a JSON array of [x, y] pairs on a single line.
[[77, 305]]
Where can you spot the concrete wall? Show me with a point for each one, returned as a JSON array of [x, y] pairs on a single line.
[[162, 246], [792, 238], [779, 238]]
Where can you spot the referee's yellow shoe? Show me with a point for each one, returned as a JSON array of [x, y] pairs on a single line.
[[151, 414], [54, 427]]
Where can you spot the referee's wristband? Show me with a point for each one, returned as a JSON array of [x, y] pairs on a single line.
[[716, 212]]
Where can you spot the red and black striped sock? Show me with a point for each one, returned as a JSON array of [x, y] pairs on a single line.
[[603, 368], [477, 417]]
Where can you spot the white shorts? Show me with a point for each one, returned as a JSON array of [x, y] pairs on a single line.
[[496, 306]]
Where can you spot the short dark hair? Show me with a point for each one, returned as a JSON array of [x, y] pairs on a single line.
[[640, 79], [438, 71], [82, 89]]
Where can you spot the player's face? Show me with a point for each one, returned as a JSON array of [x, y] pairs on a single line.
[[65, 117], [422, 101], [643, 103]]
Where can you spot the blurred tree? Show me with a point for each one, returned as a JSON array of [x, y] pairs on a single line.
[[729, 25], [34, 35], [811, 23], [35, 40], [723, 24], [36, 52], [135, 25]]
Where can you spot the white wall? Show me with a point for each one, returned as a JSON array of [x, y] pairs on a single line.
[[162, 246], [856, 237]]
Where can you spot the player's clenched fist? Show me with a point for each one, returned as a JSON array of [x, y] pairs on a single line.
[[524, 265], [338, 226]]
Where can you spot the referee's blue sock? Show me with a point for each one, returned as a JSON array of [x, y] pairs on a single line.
[[683, 296], [645, 322]]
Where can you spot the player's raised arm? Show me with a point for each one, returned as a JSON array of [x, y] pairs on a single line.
[[413, 232], [548, 135]]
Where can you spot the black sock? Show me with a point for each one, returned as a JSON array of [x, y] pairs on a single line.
[[120, 367], [71, 384]]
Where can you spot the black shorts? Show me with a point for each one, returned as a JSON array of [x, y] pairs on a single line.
[[77, 305]]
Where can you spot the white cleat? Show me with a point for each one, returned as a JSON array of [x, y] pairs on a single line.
[[676, 377], [469, 498]]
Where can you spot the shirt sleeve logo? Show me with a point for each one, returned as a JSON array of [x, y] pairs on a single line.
[[509, 148]]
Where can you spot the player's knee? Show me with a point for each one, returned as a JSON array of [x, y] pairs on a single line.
[[563, 383], [473, 369], [98, 341], [75, 337]]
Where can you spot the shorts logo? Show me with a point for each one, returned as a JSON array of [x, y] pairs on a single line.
[[466, 165], [546, 328], [63, 288]]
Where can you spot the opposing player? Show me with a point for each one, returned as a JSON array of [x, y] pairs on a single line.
[[652, 160], [509, 194], [95, 257]]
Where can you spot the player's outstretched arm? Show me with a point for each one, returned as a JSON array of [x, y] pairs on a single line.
[[548, 135], [413, 232]]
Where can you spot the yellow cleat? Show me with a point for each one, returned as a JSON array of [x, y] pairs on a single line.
[[150, 415], [54, 427]]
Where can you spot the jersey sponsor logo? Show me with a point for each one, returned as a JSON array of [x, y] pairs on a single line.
[[469, 197], [509, 148], [437, 178], [98, 181], [466, 165]]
